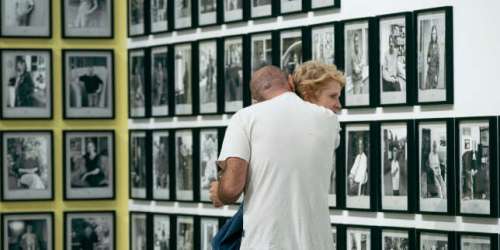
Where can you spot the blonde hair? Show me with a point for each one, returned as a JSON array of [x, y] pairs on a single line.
[[312, 76]]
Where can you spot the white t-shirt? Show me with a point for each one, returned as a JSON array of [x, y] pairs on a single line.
[[289, 144]]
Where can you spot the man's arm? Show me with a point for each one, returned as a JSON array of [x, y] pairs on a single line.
[[232, 181]]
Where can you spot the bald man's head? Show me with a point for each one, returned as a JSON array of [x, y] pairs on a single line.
[[268, 82]]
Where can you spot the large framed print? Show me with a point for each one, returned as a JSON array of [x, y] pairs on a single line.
[[162, 148], [26, 19], [428, 239], [359, 237], [434, 48], [158, 16], [183, 14], [233, 74], [160, 91], [207, 12], [209, 226], [324, 43], [139, 238], [88, 84], [28, 168], [90, 230], [185, 237], [261, 50], [184, 174], [137, 88], [87, 19], [261, 8], [28, 231], [291, 6], [136, 23], [435, 161], [324, 4], [233, 10], [476, 152], [163, 237], [291, 50], [138, 162], [183, 79], [89, 165], [477, 241], [27, 84], [208, 150], [208, 75], [397, 238], [395, 78]]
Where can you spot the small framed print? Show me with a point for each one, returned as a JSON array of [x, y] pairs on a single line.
[[207, 12], [291, 6], [160, 91], [209, 226], [26, 19], [324, 43], [87, 19], [477, 241], [28, 231], [27, 84], [184, 174], [394, 74], [183, 79], [325, 4], [208, 76], [89, 230], [291, 50], [434, 48], [88, 85], [261, 8], [435, 161], [136, 18], [185, 232], [138, 158], [359, 237], [163, 238], [137, 88], [183, 14], [162, 148], [261, 50], [158, 16], [208, 150], [28, 171], [476, 152], [233, 74], [233, 10], [393, 238], [428, 239], [89, 165], [139, 238]]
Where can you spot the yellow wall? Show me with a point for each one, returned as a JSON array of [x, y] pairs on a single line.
[[119, 124]]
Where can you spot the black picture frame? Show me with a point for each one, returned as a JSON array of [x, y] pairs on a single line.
[[337, 240], [143, 28], [71, 113], [140, 153], [492, 176], [207, 97], [450, 237], [105, 192], [260, 49], [493, 239], [446, 124], [231, 99], [339, 200], [48, 217], [161, 105], [302, 7], [184, 191], [162, 26], [234, 14], [190, 219], [147, 230], [318, 45], [269, 10], [135, 87], [343, 236], [86, 34], [28, 194], [158, 193], [215, 17], [448, 96], [285, 55], [410, 232], [333, 4], [8, 113], [67, 220], [185, 99], [171, 235], [199, 238], [25, 33], [200, 170], [190, 20]]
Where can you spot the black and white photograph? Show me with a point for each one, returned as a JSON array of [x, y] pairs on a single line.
[[358, 166], [290, 6], [335, 238], [208, 230], [394, 166], [158, 15], [261, 8], [291, 53], [261, 50], [28, 231], [357, 63], [332, 190], [89, 165], [183, 79], [207, 12], [323, 43], [185, 233], [477, 242], [27, 84], [26, 18], [161, 165], [434, 169], [358, 238], [138, 164], [88, 84], [89, 230], [184, 164], [159, 81], [393, 39], [320, 4], [137, 83], [208, 76], [138, 231], [434, 56], [182, 14], [27, 165], [431, 241], [162, 236], [209, 141], [233, 10], [87, 18], [395, 240], [233, 74], [136, 18]]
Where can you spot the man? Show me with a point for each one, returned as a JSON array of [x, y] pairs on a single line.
[[93, 86], [395, 171], [285, 182], [357, 66], [358, 176], [24, 9]]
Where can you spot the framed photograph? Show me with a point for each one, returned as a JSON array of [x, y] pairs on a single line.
[[291, 50], [335, 190], [358, 238], [434, 55], [233, 11], [158, 16], [476, 150], [395, 77], [477, 241], [357, 63], [291, 6], [261, 8], [139, 238], [261, 47], [208, 152], [160, 91], [207, 76], [435, 161], [162, 147], [89, 165], [323, 43], [28, 231], [397, 239], [183, 79], [185, 232], [136, 18], [28, 170], [209, 226], [184, 175], [137, 83], [335, 236], [88, 85], [427, 239], [233, 74], [26, 18], [396, 159], [325, 4], [27, 84], [183, 14], [89, 230], [87, 19], [163, 238], [138, 148], [207, 12]]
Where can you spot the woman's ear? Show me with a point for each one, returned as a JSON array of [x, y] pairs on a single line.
[[291, 85]]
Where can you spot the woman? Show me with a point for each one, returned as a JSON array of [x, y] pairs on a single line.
[[93, 177], [24, 85], [433, 60]]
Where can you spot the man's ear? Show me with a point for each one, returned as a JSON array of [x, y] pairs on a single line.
[[291, 85]]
